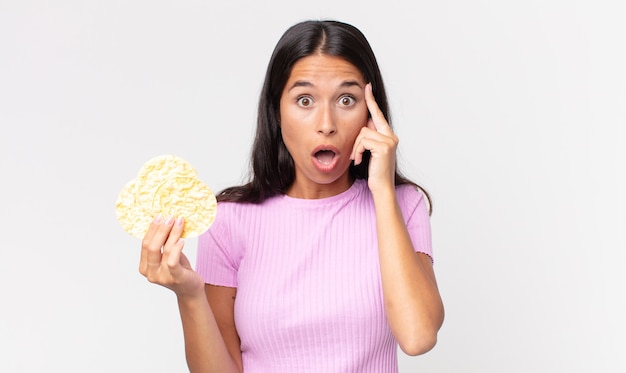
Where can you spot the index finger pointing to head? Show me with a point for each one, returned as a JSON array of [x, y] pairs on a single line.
[[378, 118]]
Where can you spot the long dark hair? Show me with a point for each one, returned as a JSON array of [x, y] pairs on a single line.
[[273, 169]]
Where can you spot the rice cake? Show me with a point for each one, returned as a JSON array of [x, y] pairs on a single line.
[[166, 185]]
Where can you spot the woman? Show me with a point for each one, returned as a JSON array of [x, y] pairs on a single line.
[[322, 262]]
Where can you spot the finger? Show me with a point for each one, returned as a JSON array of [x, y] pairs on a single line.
[[359, 144], [147, 242], [375, 142], [376, 147], [173, 258], [155, 243], [174, 244], [174, 234], [357, 153], [377, 117], [173, 240], [357, 150]]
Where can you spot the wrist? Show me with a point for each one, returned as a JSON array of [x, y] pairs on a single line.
[[384, 193], [191, 299]]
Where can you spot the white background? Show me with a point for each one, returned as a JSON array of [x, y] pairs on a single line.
[[510, 113]]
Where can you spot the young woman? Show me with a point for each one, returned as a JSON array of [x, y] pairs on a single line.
[[322, 261]]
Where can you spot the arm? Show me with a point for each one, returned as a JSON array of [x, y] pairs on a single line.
[[222, 301], [412, 302], [163, 263]]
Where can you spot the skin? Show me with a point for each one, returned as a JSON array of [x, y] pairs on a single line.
[[325, 103], [163, 263]]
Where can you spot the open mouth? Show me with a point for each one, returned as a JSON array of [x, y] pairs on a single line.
[[325, 156]]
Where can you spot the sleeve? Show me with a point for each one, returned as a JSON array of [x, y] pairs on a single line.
[[415, 211], [216, 261]]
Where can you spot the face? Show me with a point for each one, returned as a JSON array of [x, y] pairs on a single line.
[[322, 110]]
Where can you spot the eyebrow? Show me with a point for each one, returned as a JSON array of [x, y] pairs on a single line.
[[304, 83]]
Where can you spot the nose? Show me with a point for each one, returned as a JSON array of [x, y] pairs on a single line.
[[326, 124]]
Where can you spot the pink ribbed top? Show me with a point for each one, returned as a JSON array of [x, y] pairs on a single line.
[[309, 296]]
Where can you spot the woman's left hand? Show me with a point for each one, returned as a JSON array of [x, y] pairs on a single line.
[[379, 139]]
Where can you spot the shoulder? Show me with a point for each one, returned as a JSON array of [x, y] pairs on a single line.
[[409, 193], [412, 199]]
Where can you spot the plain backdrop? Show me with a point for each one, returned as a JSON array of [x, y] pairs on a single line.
[[511, 113]]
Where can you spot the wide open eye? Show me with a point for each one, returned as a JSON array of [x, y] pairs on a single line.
[[305, 101], [346, 101]]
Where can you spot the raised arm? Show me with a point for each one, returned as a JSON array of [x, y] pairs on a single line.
[[412, 301], [163, 263]]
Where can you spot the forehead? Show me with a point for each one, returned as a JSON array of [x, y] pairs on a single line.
[[321, 66]]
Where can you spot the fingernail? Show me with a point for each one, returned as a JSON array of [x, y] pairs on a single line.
[[180, 221], [157, 218], [169, 220]]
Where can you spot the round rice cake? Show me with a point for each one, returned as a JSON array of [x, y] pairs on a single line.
[[164, 167], [134, 216], [154, 172], [166, 185], [188, 198]]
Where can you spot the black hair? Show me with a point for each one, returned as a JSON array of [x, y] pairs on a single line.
[[273, 169]]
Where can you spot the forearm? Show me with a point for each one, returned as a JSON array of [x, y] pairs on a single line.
[[412, 301], [204, 346]]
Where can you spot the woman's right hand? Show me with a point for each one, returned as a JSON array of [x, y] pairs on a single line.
[[162, 260]]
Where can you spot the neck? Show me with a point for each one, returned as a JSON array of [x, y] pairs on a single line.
[[313, 190]]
